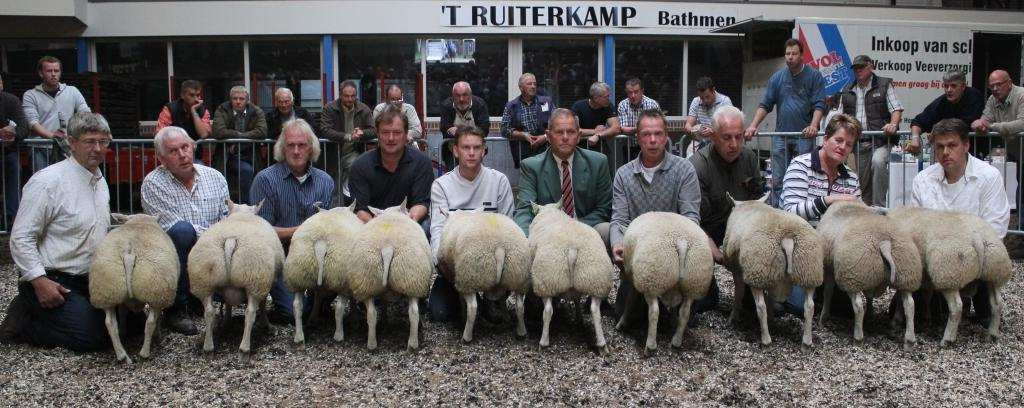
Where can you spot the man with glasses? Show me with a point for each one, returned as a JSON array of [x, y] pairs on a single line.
[[524, 121], [64, 215], [958, 101], [396, 100], [1004, 112]]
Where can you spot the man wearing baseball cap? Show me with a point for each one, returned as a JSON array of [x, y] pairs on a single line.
[[872, 100]]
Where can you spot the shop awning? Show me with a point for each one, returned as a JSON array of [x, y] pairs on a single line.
[[753, 25]]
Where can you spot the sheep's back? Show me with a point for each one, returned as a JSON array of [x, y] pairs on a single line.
[[411, 266], [475, 264], [593, 271], [653, 257], [154, 274], [337, 233]]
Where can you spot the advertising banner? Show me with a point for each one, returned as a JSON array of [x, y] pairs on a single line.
[[915, 56]]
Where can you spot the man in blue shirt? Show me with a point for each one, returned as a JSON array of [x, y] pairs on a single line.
[[291, 191], [799, 93]]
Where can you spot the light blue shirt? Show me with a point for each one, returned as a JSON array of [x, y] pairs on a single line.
[[797, 97]]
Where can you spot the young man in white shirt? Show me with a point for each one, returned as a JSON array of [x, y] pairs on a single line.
[[469, 186], [64, 215], [960, 182]]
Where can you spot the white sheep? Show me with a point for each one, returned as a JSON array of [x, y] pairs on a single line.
[[771, 250], [956, 249], [864, 253], [318, 260], [485, 252], [391, 257], [666, 256], [569, 259], [238, 256], [135, 265]]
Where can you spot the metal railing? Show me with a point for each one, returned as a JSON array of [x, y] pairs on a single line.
[[130, 160]]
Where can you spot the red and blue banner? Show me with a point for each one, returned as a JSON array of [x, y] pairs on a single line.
[[825, 50]]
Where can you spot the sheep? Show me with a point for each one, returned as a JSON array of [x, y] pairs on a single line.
[[771, 250], [568, 259], [238, 256], [666, 256], [485, 252], [391, 257], [864, 253], [318, 260], [135, 265], [954, 259]]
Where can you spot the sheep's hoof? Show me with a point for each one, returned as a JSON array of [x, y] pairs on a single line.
[[648, 352], [677, 343], [946, 343], [521, 336], [371, 346], [908, 345], [806, 345], [125, 360], [339, 337], [144, 355], [992, 337], [603, 350], [207, 348]]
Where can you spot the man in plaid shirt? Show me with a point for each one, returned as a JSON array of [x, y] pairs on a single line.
[[187, 199]]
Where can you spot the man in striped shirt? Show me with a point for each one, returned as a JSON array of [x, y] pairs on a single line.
[[187, 199], [288, 193]]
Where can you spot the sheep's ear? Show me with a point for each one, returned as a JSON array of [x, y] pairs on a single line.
[[352, 207], [318, 207], [119, 218], [729, 197], [405, 204], [534, 208], [375, 211], [559, 204], [230, 204], [479, 209], [256, 210], [764, 198], [402, 208], [444, 212]]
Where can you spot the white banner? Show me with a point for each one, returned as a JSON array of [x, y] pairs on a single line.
[[547, 14]]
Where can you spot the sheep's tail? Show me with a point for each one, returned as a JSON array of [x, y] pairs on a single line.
[[885, 247], [683, 248], [320, 250], [787, 251], [979, 247], [499, 262], [128, 259], [570, 256], [229, 250], [386, 254]]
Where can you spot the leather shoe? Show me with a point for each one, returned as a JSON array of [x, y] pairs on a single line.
[[179, 322]]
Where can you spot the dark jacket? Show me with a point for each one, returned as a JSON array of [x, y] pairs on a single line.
[[968, 109], [275, 119], [224, 128], [480, 115], [332, 124], [876, 103], [10, 111], [181, 118], [741, 179]]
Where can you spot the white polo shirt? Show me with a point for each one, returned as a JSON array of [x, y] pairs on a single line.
[[980, 192]]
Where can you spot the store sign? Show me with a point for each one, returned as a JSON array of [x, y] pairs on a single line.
[[561, 15]]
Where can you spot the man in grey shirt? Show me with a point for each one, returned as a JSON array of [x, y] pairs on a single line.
[[654, 181], [468, 187]]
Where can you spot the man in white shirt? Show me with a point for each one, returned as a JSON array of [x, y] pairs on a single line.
[[468, 187], [960, 182], [187, 199], [63, 216]]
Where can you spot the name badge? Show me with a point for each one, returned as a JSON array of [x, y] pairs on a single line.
[[544, 107]]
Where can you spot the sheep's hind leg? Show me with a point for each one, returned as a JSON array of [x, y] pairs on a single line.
[[115, 336], [300, 337], [762, 315], [808, 337], [467, 331], [857, 300], [250, 320], [595, 317], [909, 338], [652, 325], [151, 322], [371, 324], [340, 304], [995, 301], [684, 317], [520, 315], [414, 323], [544, 339], [956, 307], [208, 315]]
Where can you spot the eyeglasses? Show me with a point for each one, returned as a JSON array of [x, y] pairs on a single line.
[[996, 85], [94, 143]]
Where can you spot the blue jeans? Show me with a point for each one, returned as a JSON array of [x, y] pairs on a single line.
[[184, 236], [240, 171], [783, 150], [74, 325], [12, 185]]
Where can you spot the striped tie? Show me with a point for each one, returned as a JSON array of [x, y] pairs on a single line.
[[567, 204]]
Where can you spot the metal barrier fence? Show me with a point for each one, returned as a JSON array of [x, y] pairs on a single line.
[[130, 160]]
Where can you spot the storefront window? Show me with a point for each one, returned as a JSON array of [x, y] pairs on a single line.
[[722, 61], [377, 63], [133, 84], [218, 65], [564, 68], [658, 64], [483, 62], [21, 56], [291, 64]]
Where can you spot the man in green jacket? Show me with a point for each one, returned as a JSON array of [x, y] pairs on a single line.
[[587, 187]]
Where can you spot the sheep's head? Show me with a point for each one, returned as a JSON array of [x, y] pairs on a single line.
[[242, 208], [133, 218]]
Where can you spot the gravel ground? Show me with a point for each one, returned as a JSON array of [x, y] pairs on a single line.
[[718, 365]]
